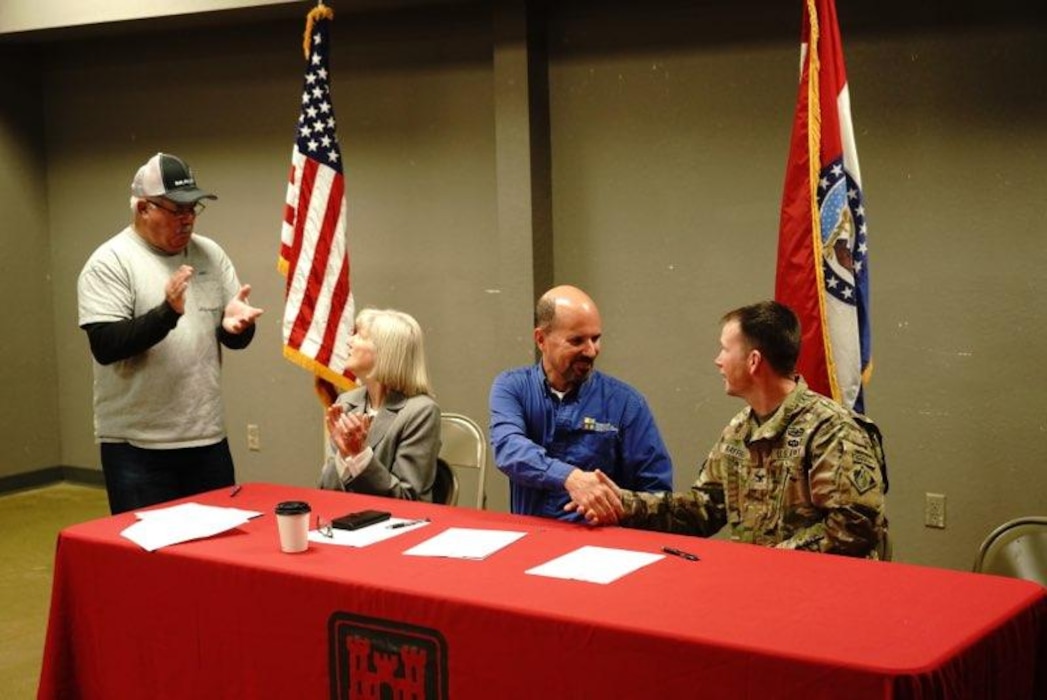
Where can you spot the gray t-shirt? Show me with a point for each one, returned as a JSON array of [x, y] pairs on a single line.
[[170, 395]]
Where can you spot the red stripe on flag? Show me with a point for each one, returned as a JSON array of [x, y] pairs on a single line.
[[289, 220], [318, 269], [797, 280], [305, 195], [796, 285], [338, 299]]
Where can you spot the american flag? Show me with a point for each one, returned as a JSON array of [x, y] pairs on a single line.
[[823, 271], [314, 254]]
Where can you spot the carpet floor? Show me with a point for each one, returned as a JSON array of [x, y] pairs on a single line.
[[29, 525]]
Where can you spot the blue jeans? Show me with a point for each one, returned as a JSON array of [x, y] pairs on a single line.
[[136, 477]]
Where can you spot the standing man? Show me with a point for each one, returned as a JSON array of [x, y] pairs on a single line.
[[156, 300], [792, 470], [558, 424]]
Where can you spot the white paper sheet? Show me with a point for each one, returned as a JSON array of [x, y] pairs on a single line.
[[367, 535], [465, 543], [187, 521], [192, 510], [595, 564]]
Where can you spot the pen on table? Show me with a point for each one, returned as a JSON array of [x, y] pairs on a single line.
[[236, 490], [406, 523], [680, 553]]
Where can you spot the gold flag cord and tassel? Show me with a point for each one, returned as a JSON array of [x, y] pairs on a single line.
[[321, 11]]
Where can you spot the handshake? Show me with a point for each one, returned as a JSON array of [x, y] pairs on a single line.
[[595, 496]]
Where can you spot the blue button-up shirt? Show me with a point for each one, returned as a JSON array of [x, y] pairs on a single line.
[[539, 439]]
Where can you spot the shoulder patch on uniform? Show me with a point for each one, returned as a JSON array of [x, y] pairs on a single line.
[[862, 480]]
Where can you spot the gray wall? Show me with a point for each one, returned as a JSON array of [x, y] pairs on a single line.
[[669, 130], [29, 437]]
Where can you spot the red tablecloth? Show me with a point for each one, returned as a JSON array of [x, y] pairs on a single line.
[[233, 617]]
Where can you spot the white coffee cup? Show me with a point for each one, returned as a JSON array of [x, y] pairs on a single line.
[[292, 521]]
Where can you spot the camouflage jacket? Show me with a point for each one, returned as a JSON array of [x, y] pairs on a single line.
[[806, 478]]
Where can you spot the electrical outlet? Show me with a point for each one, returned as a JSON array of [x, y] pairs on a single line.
[[254, 440], [934, 510]]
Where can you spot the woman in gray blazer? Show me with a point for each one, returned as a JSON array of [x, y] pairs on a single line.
[[384, 435]]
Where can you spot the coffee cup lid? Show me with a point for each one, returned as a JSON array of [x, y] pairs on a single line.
[[292, 508]]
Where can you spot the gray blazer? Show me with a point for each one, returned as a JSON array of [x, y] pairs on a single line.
[[405, 438]]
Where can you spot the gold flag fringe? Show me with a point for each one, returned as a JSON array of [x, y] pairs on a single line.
[[321, 11]]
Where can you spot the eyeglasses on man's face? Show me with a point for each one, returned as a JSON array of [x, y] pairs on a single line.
[[184, 210]]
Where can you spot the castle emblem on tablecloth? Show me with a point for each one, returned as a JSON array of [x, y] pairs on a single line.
[[372, 659]]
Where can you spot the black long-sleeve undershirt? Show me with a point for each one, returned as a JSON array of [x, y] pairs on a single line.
[[112, 341]]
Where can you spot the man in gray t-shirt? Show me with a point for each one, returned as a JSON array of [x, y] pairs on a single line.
[[156, 300]]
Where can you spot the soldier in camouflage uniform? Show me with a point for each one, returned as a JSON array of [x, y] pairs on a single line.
[[792, 470]]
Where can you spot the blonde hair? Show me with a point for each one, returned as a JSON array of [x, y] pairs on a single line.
[[399, 350]]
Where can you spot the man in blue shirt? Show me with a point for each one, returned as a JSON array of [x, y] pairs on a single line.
[[557, 424]]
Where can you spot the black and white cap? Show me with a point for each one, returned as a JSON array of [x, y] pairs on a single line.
[[168, 176]]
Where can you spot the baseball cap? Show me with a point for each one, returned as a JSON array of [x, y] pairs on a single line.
[[168, 176]]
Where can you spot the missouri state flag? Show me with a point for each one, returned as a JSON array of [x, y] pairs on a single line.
[[314, 251], [822, 269]]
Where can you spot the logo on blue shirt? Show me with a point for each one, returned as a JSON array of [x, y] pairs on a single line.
[[595, 426]]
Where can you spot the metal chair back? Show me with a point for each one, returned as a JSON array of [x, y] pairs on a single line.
[[464, 447], [1018, 549]]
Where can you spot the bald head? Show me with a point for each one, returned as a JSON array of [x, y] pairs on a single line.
[[565, 298], [567, 330]]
